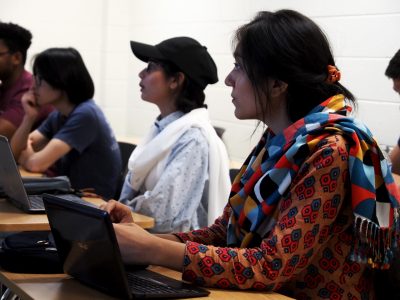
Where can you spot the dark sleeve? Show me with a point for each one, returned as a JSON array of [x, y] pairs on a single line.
[[48, 126], [80, 129]]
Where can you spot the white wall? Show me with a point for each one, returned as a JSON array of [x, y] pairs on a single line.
[[363, 34]]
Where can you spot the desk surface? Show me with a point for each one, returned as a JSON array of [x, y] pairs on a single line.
[[14, 219], [61, 286]]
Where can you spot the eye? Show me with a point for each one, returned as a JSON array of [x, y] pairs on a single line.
[[237, 66], [150, 66]]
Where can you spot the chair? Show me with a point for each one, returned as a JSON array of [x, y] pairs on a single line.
[[220, 131], [126, 150]]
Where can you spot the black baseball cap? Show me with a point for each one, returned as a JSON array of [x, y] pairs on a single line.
[[185, 53]]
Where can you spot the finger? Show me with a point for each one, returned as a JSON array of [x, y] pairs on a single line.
[[31, 103]]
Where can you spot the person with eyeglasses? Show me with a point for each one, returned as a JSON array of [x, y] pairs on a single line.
[[15, 80], [76, 139], [179, 173]]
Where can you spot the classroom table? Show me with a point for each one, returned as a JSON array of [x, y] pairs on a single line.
[[14, 219], [63, 287]]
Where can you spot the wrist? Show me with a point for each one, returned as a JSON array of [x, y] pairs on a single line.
[[28, 120], [167, 253]]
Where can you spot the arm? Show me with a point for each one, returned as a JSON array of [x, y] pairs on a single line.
[[40, 161], [179, 190], [395, 158], [7, 128], [19, 141]]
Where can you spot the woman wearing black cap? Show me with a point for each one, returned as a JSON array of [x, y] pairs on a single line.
[[179, 173]]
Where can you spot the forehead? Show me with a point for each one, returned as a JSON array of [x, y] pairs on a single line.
[[3, 45]]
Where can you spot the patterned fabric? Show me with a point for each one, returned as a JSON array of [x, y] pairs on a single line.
[[268, 173], [306, 254]]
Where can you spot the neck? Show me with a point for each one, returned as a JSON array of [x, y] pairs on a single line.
[[278, 119], [167, 108], [64, 106]]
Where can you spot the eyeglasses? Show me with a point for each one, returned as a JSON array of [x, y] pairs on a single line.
[[38, 80]]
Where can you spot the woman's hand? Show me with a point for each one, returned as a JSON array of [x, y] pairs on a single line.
[[137, 246], [119, 213], [29, 105]]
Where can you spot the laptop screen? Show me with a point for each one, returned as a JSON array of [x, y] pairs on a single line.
[[10, 179], [87, 245]]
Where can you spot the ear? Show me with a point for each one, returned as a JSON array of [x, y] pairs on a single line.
[[16, 58], [177, 81], [278, 88]]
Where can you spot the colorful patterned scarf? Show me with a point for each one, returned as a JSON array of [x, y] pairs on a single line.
[[267, 174]]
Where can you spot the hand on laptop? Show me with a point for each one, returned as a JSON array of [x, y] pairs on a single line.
[[119, 213]]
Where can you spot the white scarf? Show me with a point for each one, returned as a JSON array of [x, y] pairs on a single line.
[[148, 160]]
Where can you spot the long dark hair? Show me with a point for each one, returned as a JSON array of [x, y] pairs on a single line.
[[287, 46], [64, 69]]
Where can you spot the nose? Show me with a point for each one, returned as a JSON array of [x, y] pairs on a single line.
[[142, 73], [229, 80]]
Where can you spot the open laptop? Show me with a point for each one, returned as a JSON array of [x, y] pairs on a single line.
[[12, 185], [88, 248]]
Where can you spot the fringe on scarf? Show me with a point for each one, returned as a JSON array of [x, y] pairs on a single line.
[[373, 244]]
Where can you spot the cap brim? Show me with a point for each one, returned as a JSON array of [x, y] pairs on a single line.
[[145, 52]]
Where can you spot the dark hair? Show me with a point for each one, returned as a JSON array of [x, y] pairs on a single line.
[[288, 46], [393, 69], [64, 69], [16, 38], [191, 95]]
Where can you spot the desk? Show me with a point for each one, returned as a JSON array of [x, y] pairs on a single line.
[[14, 219], [63, 287]]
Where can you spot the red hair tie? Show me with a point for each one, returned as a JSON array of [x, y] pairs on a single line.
[[333, 74]]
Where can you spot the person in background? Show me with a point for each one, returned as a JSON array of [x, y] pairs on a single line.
[[303, 209], [15, 80], [393, 72], [76, 139], [179, 174]]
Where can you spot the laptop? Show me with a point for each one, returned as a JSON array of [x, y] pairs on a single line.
[[12, 186], [88, 249]]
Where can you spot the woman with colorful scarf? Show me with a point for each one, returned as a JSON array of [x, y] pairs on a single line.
[[314, 207]]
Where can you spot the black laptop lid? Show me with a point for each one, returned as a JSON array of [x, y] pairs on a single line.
[[10, 179], [87, 245]]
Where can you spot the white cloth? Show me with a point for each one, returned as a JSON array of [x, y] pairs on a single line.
[[148, 159]]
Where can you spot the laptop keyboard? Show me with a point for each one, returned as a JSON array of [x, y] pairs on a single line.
[[152, 286], [37, 200]]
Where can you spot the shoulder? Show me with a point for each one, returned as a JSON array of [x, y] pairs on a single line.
[[194, 135], [86, 110], [26, 80], [329, 148], [330, 152]]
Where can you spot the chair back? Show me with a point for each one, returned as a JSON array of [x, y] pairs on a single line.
[[126, 150]]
